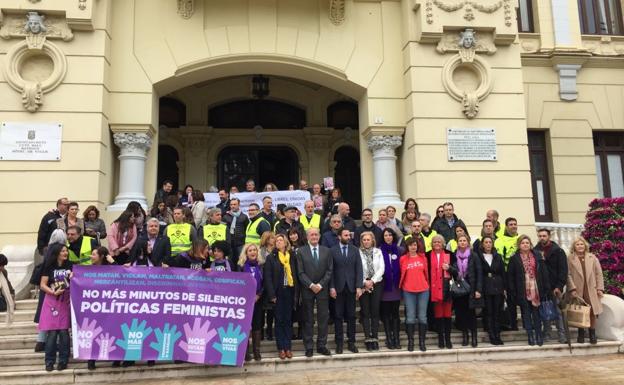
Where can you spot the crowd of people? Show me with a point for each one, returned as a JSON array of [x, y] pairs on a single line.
[[314, 267]]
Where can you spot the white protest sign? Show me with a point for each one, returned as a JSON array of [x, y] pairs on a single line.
[[295, 198]]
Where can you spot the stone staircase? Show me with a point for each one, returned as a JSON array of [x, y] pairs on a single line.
[[19, 364]]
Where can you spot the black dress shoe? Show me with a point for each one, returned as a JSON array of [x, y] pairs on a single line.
[[323, 351], [61, 367], [49, 368], [116, 364], [338, 349], [151, 363], [375, 345], [126, 364], [369, 346], [309, 353], [352, 348], [91, 365]]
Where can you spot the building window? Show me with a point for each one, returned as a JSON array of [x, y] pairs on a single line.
[[609, 150], [540, 176], [343, 114], [256, 112], [600, 17], [525, 16], [171, 113]]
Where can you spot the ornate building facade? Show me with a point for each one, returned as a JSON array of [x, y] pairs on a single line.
[[210, 92]]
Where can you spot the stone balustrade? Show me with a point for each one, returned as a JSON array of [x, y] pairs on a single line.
[[562, 233]]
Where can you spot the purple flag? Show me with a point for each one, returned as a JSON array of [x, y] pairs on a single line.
[[153, 313]]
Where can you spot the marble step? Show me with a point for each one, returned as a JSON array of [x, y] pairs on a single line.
[[78, 374], [19, 315], [27, 341]]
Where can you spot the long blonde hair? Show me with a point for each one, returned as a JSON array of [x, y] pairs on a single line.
[[243, 256], [579, 238]]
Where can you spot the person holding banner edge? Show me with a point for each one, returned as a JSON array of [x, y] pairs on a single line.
[[250, 261]]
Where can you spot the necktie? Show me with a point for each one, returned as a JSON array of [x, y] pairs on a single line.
[[314, 254], [344, 252]]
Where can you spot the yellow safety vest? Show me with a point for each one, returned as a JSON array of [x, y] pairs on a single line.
[[85, 252], [214, 233], [500, 233], [452, 244], [251, 235], [315, 222], [428, 239], [506, 247], [180, 237]]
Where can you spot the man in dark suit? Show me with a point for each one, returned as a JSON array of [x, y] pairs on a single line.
[[345, 287], [152, 248], [314, 270]]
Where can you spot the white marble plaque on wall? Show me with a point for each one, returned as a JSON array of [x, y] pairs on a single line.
[[471, 144], [30, 141]]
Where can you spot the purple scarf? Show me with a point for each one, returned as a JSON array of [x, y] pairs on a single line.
[[255, 270], [462, 261], [392, 270]]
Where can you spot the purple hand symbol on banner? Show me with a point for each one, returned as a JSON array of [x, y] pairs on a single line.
[[87, 332], [106, 342], [196, 340]]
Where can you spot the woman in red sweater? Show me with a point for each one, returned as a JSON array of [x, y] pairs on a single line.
[[415, 286], [440, 262]]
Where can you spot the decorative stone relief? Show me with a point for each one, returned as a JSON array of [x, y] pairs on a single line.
[[530, 45], [34, 66], [468, 6], [186, 8], [384, 142], [337, 11], [35, 27], [449, 43], [132, 141], [604, 47], [466, 77], [82, 5]]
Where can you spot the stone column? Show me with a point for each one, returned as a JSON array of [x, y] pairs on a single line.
[[134, 147], [384, 170]]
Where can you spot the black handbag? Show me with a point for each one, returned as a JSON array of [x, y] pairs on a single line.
[[474, 303], [459, 288]]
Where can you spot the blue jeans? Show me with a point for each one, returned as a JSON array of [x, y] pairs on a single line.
[[416, 306], [51, 346]]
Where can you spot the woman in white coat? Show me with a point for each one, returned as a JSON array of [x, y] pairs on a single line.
[[373, 269]]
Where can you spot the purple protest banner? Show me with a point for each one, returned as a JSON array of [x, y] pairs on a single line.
[[153, 313]]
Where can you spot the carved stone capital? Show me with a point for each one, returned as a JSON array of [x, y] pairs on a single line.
[[132, 141], [384, 143]]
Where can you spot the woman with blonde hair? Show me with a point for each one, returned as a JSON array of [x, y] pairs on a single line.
[[251, 262], [529, 285], [279, 287], [373, 271], [585, 280]]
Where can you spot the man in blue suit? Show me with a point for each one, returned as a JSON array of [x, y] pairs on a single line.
[[345, 287]]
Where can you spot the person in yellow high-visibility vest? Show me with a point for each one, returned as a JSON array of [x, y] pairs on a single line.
[[79, 246], [426, 232], [181, 234], [214, 230], [257, 225], [310, 218], [498, 230], [507, 245]]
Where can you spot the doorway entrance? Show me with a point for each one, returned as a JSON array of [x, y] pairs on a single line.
[[263, 164]]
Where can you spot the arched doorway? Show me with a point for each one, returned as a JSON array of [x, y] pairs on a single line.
[[263, 164], [348, 178], [168, 166]]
